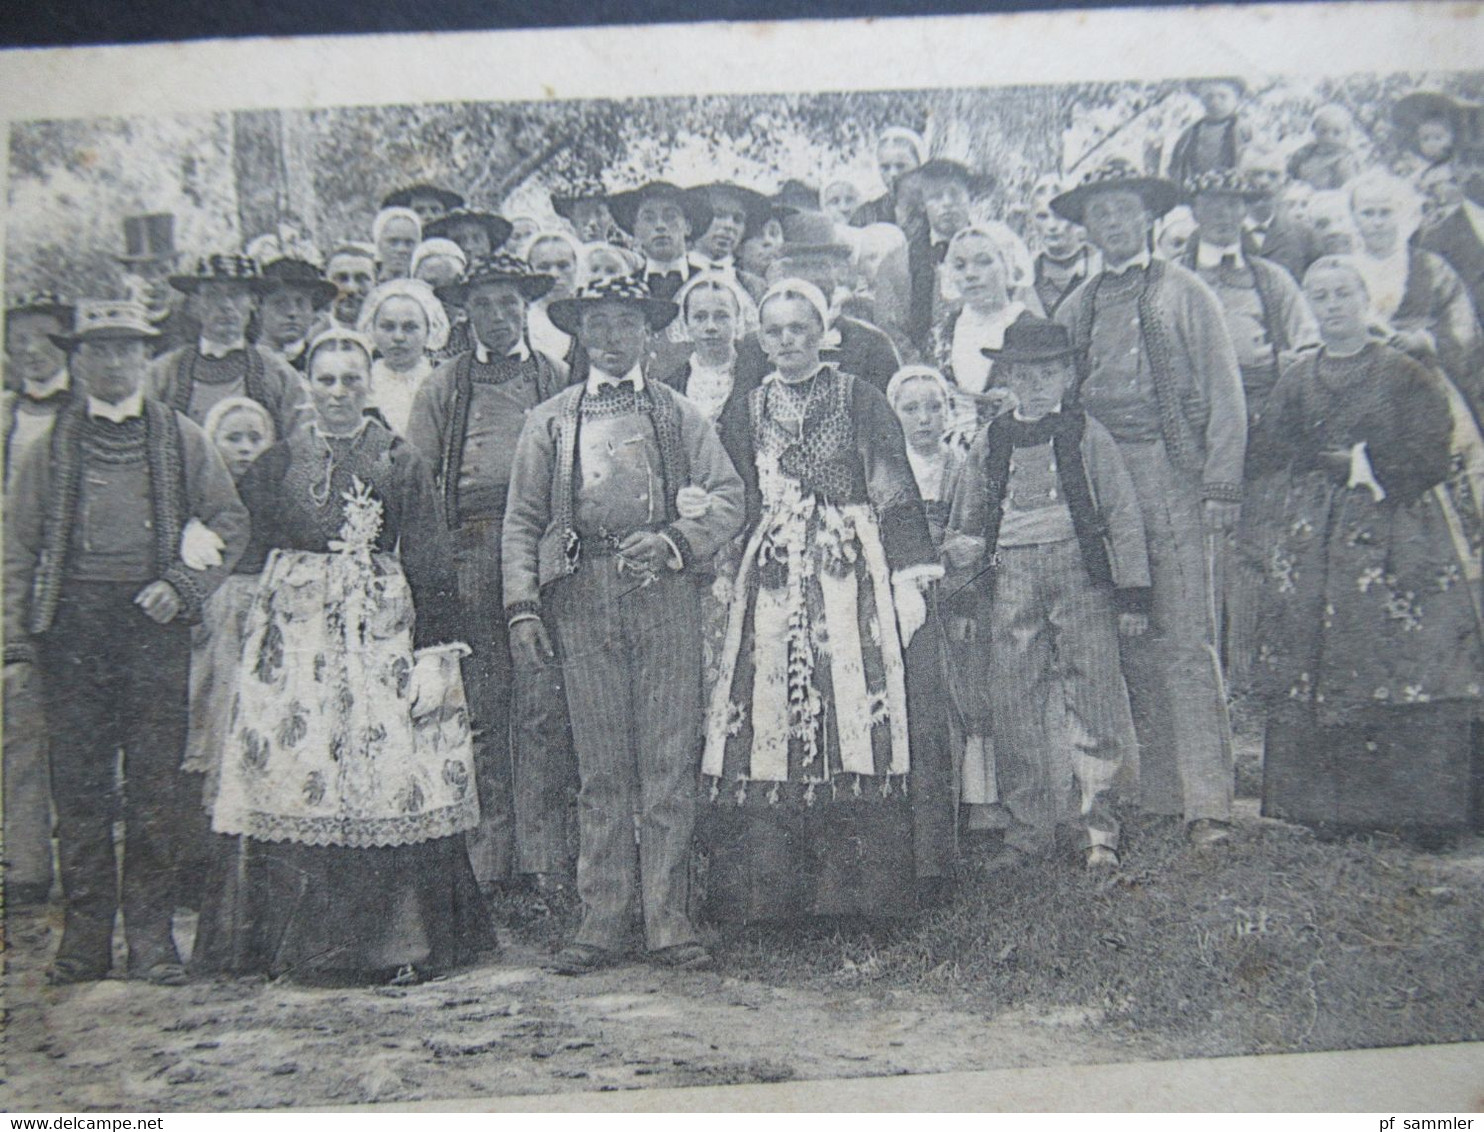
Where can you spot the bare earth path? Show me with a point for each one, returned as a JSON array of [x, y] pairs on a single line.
[[497, 1031]]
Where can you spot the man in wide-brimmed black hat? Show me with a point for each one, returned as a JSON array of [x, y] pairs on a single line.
[[663, 219], [100, 594], [429, 201], [736, 213], [222, 292], [620, 495], [1052, 566], [465, 421], [149, 259], [1217, 138], [40, 387], [945, 190], [293, 298], [1162, 375], [588, 213], [478, 234]]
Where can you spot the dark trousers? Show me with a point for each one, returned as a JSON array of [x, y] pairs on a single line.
[[523, 762], [114, 680], [632, 655]]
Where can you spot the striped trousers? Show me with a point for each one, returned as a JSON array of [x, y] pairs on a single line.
[[1174, 676], [631, 654], [1053, 644]]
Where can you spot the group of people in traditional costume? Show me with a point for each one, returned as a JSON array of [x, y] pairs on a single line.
[[801, 537]]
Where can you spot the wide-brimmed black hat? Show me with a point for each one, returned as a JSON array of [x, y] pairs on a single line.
[[757, 206], [292, 272], [41, 302], [501, 267], [495, 226], [812, 233], [228, 268], [1222, 182], [566, 314], [625, 206], [946, 169], [1033, 339], [1410, 111], [148, 237], [1159, 195], [795, 196], [565, 204], [403, 198]]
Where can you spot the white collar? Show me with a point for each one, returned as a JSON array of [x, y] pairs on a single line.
[[521, 352], [681, 265], [1015, 412], [1141, 260], [418, 372], [130, 406], [995, 321], [210, 349], [706, 263], [1208, 255], [597, 379], [293, 349], [47, 386]]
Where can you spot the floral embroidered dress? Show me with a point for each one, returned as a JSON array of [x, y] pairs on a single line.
[[810, 759], [348, 763], [1370, 657]]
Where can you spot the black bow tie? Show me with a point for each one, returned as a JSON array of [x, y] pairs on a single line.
[[1030, 434], [1229, 260], [663, 285]]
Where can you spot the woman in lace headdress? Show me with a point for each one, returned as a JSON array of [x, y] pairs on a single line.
[[407, 324], [987, 274], [347, 772], [826, 798]]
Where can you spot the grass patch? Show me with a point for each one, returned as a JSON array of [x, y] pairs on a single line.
[[1273, 942]]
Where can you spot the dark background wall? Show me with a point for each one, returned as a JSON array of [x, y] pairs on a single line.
[[24, 23]]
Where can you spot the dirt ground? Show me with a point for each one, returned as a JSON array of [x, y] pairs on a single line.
[[511, 1029], [1277, 943]]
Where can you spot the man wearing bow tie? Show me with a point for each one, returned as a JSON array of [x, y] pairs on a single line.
[[736, 213], [1269, 230], [99, 599], [662, 219], [620, 496], [35, 364], [1160, 373], [222, 363]]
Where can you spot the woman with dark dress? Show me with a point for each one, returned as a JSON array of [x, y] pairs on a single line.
[[347, 773], [1370, 660], [825, 797]]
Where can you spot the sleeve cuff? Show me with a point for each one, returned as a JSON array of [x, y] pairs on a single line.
[[1222, 492], [518, 611], [1133, 599], [24, 653], [681, 553], [918, 575], [1362, 474], [192, 597]]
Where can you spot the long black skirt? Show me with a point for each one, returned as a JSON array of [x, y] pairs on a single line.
[[307, 912], [1402, 769]]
